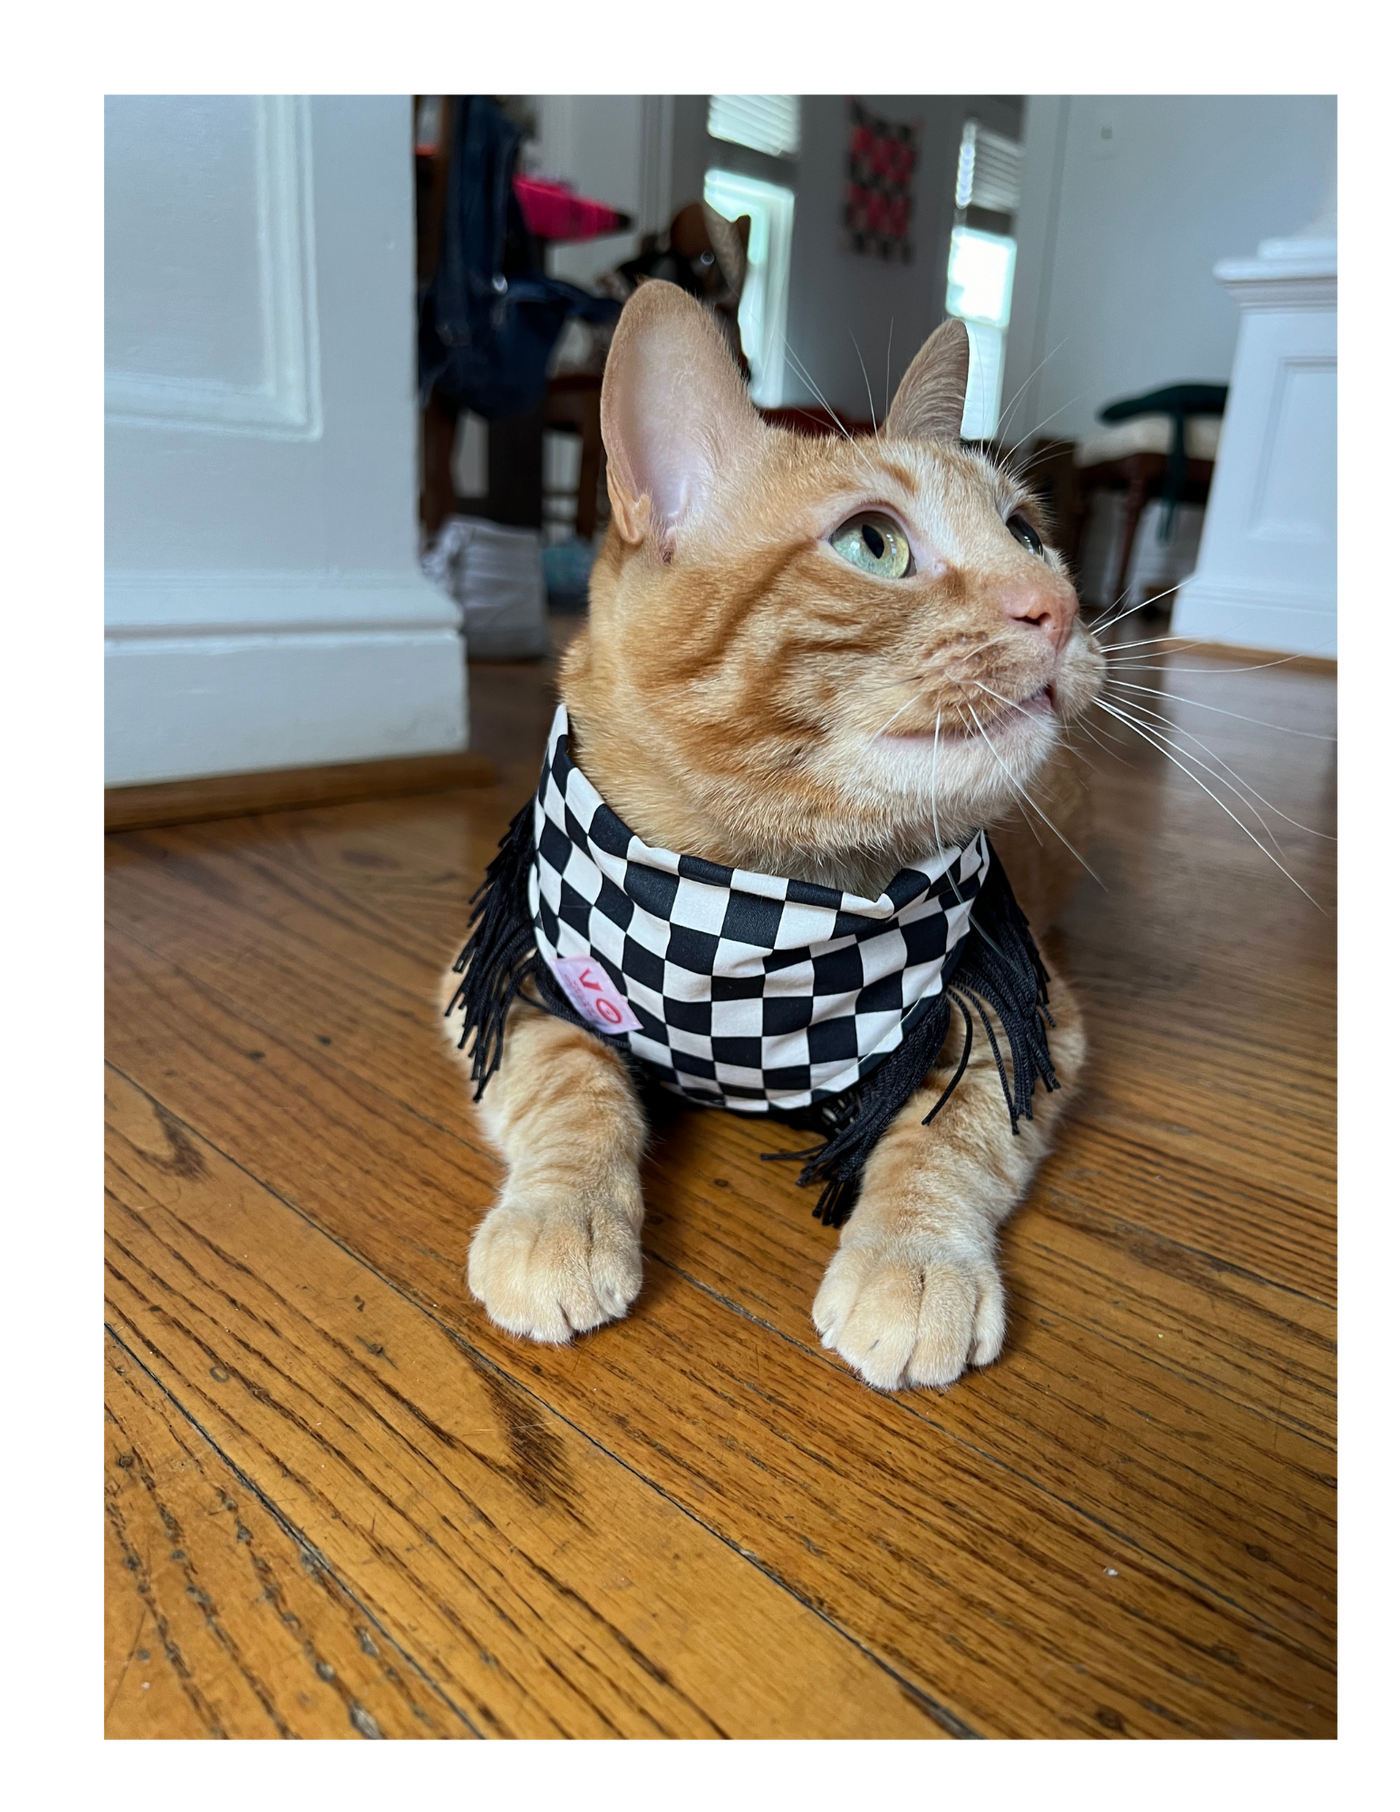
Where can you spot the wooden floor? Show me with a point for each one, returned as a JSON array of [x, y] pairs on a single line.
[[340, 1503]]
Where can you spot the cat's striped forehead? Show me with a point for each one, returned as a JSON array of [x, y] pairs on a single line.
[[799, 490]]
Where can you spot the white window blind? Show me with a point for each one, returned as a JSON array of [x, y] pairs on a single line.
[[764, 122], [989, 170]]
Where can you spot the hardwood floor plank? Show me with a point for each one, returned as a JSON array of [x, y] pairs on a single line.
[[1103, 1410], [988, 1592], [221, 1623], [539, 1583], [277, 789]]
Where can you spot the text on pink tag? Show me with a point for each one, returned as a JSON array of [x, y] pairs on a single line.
[[589, 988]]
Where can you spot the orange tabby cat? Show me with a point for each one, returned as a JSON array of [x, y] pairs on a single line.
[[753, 689]]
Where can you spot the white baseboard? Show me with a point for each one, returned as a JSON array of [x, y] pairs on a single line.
[[231, 673], [1245, 616]]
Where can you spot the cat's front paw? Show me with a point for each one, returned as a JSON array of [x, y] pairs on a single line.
[[551, 1267], [916, 1311]]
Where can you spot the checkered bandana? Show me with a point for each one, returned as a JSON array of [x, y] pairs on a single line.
[[747, 991], [739, 990]]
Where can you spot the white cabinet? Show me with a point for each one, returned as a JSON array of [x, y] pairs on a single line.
[[1267, 574]]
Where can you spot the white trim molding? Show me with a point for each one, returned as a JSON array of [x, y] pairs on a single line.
[[1271, 283], [240, 672], [265, 606], [285, 402], [1277, 619]]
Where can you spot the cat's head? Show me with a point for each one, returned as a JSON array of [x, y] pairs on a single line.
[[801, 649]]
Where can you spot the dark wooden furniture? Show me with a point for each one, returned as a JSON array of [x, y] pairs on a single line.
[[573, 405], [515, 444], [816, 422], [1141, 477]]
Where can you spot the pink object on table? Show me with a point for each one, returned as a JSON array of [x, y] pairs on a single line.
[[553, 211]]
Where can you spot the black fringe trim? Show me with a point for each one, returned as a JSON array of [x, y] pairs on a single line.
[[998, 967], [500, 957]]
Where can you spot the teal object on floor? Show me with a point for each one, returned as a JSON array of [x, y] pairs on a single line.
[[567, 567]]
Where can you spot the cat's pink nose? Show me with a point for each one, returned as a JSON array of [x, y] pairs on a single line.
[[1048, 608]]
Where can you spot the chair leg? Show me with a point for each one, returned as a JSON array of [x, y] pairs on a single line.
[[439, 437], [590, 470], [1134, 502]]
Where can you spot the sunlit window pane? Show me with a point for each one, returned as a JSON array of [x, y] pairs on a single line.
[[986, 353], [981, 267], [763, 307]]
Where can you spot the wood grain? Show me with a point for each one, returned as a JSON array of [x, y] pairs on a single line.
[[221, 1622], [280, 789], [1126, 1526], [485, 1535]]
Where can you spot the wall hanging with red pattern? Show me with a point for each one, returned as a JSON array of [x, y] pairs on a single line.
[[880, 165]]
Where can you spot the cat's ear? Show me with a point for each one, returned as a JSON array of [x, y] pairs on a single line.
[[676, 415], [929, 402]]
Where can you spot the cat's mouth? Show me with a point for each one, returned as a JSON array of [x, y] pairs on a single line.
[[989, 716]]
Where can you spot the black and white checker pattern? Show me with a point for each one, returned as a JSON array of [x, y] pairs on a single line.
[[752, 991]]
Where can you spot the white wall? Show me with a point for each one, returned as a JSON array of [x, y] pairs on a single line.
[[1118, 235], [837, 293], [614, 148], [264, 605]]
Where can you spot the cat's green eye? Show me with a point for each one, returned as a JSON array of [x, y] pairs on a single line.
[[875, 545]]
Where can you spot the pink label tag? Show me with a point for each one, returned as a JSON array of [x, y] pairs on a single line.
[[588, 987]]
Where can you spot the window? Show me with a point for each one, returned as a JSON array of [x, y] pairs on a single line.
[[989, 171], [982, 267], [763, 307], [770, 123]]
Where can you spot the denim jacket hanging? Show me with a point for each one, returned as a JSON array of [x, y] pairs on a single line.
[[489, 318]]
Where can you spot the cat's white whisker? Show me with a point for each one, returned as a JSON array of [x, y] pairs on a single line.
[[1007, 411], [938, 835], [1153, 742], [1101, 627], [1019, 473], [933, 785], [864, 373], [889, 720], [1062, 741], [1154, 720], [1216, 672], [1045, 422], [1034, 807], [816, 394], [1087, 730], [840, 426], [1005, 701], [1159, 718], [1181, 699], [1147, 641]]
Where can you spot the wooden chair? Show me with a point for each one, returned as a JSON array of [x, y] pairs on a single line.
[[573, 405], [1141, 477]]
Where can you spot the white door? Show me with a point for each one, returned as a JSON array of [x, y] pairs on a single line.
[[264, 603]]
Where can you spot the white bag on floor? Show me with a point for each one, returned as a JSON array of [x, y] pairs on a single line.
[[497, 577]]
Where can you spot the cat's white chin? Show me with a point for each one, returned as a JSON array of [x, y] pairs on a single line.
[[974, 777]]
